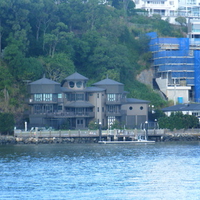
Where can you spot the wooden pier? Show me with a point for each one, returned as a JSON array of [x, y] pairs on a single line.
[[104, 135]]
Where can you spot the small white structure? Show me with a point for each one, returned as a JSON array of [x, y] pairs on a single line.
[[190, 109]]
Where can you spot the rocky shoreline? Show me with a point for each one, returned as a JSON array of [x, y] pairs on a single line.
[[53, 140], [168, 138]]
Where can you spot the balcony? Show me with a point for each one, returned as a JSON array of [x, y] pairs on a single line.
[[119, 102], [110, 113], [31, 101], [66, 114]]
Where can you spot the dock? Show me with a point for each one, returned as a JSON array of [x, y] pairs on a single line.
[[109, 136], [127, 142]]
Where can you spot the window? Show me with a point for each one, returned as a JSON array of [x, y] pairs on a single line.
[[130, 108], [79, 84], [80, 97], [98, 95], [141, 107], [71, 84], [38, 97], [102, 109], [48, 108], [47, 97], [80, 111], [43, 97], [71, 97], [98, 109], [111, 120], [113, 109], [111, 97], [59, 96], [79, 121], [59, 107], [37, 108]]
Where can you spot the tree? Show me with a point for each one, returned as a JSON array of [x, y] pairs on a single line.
[[57, 36], [181, 20], [93, 125], [72, 13], [178, 121], [116, 125], [108, 56], [6, 123], [58, 67]]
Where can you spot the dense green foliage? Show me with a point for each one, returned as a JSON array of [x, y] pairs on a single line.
[[178, 121], [59, 37], [6, 123]]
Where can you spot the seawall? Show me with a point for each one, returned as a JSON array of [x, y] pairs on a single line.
[[49, 140], [166, 137]]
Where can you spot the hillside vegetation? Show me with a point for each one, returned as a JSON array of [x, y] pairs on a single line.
[[57, 38]]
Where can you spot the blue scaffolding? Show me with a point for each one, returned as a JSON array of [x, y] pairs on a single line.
[[197, 75], [180, 57]]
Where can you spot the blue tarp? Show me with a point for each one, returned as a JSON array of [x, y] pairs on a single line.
[[197, 75]]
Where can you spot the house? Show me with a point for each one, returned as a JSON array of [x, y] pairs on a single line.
[[74, 104], [189, 109], [169, 9]]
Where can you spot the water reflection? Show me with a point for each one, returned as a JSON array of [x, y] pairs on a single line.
[[92, 171]]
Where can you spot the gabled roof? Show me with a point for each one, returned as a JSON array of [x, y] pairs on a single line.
[[182, 107], [79, 104], [44, 81], [76, 76], [108, 81], [133, 100]]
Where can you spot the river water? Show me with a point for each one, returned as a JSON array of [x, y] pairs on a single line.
[[92, 171]]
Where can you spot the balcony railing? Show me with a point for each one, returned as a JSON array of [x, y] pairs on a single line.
[[117, 113], [118, 102], [31, 101], [66, 114]]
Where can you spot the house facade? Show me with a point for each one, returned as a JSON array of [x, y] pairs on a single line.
[[186, 109], [75, 105], [170, 9]]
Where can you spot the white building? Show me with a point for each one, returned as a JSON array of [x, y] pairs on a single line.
[[170, 9], [186, 109]]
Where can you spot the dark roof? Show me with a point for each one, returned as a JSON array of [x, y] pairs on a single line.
[[44, 81], [88, 89], [108, 81], [79, 104], [182, 107], [133, 100], [76, 76], [64, 89], [93, 89]]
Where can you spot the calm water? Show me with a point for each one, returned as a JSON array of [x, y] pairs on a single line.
[[92, 171]]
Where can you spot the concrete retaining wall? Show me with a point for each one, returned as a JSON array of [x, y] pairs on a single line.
[[166, 135]]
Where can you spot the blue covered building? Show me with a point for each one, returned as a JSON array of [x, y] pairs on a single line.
[[176, 64]]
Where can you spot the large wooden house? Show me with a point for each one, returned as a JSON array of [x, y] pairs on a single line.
[[53, 104]]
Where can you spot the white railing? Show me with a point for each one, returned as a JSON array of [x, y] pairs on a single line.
[[85, 133]]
